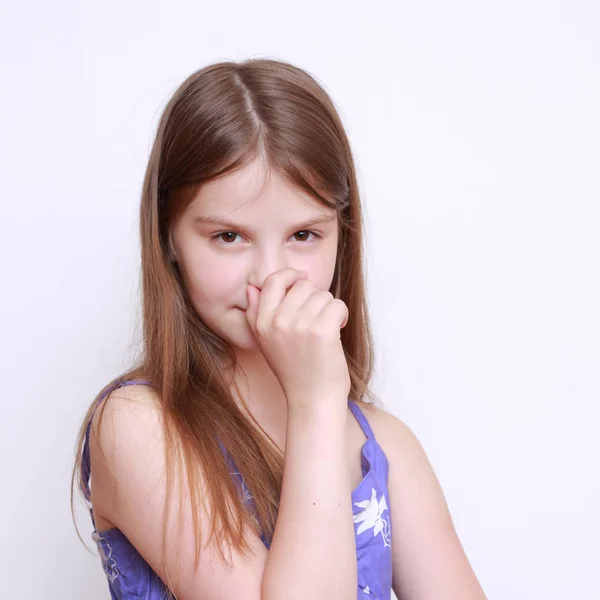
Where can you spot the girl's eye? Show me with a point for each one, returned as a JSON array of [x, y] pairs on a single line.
[[228, 234], [227, 238], [306, 233]]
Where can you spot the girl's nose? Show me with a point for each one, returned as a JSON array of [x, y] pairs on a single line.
[[264, 265]]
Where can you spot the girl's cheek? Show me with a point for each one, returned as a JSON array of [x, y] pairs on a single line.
[[219, 279], [320, 272]]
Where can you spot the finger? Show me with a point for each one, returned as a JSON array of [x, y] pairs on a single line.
[[296, 297], [335, 312], [274, 291], [313, 305], [253, 294]]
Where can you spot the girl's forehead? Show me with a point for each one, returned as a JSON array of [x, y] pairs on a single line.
[[255, 191]]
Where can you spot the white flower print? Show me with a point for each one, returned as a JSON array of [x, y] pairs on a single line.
[[109, 564], [247, 496], [371, 516], [367, 591]]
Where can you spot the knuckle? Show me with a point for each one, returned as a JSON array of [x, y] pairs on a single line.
[[317, 332], [340, 304], [301, 327], [269, 279], [279, 324]]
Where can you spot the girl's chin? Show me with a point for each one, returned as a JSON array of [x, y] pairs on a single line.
[[246, 346], [241, 335]]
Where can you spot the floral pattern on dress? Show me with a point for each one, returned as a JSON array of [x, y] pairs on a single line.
[[246, 495], [367, 591], [372, 517]]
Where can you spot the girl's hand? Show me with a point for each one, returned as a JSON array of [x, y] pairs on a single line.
[[298, 333]]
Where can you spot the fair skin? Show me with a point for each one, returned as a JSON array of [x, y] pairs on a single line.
[[267, 226], [249, 289]]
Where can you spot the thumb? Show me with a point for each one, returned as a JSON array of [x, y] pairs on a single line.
[[253, 294]]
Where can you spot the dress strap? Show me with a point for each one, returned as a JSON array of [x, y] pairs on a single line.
[[85, 459], [360, 417]]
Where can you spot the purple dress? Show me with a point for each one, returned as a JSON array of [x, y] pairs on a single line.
[[130, 577]]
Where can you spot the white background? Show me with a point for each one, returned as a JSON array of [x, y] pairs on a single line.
[[476, 131]]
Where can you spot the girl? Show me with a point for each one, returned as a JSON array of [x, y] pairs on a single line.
[[244, 456]]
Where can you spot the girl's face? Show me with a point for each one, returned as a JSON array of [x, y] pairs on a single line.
[[240, 228]]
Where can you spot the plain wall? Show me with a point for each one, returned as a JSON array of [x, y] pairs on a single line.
[[475, 128]]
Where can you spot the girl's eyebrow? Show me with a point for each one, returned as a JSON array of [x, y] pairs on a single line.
[[223, 221]]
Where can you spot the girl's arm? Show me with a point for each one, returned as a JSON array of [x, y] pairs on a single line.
[[128, 489], [312, 553], [429, 562]]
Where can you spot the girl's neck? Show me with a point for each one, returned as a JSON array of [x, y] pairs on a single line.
[[255, 384]]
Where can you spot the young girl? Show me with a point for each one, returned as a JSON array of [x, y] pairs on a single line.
[[244, 456]]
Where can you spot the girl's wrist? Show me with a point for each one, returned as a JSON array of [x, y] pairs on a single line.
[[314, 408]]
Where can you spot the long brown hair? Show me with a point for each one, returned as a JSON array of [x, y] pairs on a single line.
[[218, 120]]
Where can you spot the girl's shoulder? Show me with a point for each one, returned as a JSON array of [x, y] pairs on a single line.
[[378, 416], [123, 404], [126, 421], [394, 436], [122, 401]]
